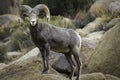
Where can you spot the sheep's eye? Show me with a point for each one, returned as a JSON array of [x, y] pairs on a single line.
[[25, 15]]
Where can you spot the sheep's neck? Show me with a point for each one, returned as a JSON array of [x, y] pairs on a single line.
[[33, 31], [34, 34]]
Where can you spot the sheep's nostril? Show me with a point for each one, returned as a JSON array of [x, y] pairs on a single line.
[[33, 22]]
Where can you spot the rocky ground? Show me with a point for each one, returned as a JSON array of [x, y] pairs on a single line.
[[29, 67]]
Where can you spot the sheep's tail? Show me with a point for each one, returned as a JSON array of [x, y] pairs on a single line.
[[80, 39]]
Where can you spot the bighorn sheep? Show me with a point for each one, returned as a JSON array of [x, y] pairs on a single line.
[[48, 37]]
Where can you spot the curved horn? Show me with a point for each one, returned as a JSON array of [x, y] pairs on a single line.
[[43, 7], [25, 10]]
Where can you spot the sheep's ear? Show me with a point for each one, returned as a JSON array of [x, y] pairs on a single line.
[[41, 9], [25, 10]]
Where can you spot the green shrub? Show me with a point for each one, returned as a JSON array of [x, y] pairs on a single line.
[[7, 29], [20, 38], [3, 51], [60, 21], [4, 32]]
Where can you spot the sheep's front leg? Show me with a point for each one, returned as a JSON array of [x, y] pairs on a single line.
[[43, 54], [47, 47]]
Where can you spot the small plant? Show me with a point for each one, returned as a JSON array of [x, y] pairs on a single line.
[[3, 51], [20, 38], [59, 21], [7, 29]]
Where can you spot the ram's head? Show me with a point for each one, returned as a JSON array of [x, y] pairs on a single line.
[[34, 13]]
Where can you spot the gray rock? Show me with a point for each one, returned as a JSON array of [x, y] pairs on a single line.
[[114, 8], [101, 7], [93, 76], [14, 54], [6, 23], [8, 18], [106, 56], [3, 65], [112, 23], [80, 23], [28, 67], [9, 7], [31, 54], [111, 77], [62, 65], [91, 40], [95, 26], [57, 60]]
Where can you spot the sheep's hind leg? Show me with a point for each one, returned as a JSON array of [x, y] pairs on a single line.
[[72, 65], [76, 53]]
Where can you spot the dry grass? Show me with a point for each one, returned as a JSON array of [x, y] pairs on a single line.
[[101, 7], [80, 15]]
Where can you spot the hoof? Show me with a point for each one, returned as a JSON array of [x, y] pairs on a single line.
[[70, 78], [45, 71], [77, 79]]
